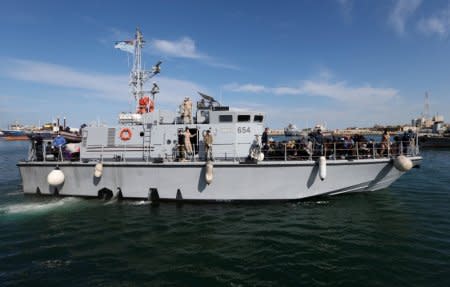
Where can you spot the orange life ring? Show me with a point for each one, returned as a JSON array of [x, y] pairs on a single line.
[[125, 134]]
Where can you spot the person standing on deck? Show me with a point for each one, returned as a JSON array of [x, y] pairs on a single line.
[[385, 143], [208, 140], [181, 149], [187, 111], [58, 143], [265, 141], [187, 141], [318, 142]]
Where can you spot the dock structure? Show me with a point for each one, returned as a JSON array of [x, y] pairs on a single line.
[[276, 132]]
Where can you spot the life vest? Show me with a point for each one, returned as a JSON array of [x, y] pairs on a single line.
[[145, 105]]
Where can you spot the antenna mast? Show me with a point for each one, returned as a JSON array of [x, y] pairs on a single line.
[[138, 76]]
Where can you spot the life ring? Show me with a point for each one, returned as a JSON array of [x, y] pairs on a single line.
[[125, 134]]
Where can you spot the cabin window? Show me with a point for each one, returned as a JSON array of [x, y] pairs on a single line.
[[258, 118], [243, 118], [225, 118]]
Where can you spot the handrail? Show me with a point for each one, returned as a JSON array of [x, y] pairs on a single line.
[[283, 151], [332, 151]]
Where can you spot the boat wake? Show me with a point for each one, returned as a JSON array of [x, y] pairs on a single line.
[[140, 202], [112, 201], [37, 207]]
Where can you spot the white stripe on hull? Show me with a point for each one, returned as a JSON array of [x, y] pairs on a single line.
[[231, 181]]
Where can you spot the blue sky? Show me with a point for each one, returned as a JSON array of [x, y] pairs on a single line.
[[337, 62]]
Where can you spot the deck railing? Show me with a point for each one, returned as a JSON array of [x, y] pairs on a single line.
[[281, 151], [294, 151], [339, 150]]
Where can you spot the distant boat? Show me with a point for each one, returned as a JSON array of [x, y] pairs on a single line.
[[15, 131], [18, 132], [292, 131], [16, 138], [434, 141], [49, 135]]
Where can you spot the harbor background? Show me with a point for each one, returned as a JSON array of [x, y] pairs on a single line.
[[399, 236]]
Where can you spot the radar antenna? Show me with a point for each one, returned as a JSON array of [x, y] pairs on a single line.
[[209, 99]]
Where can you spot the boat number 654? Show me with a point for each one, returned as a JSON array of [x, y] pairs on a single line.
[[243, 130]]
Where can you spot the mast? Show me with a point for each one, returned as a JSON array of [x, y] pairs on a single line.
[[139, 76]]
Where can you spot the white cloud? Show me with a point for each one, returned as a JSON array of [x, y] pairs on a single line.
[[361, 105], [287, 90], [186, 48], [342, 92], [113, 87], [182, 48], [57, 75], [438, 24], [251, 88], [400, 13], [346, 8], [339, 91]]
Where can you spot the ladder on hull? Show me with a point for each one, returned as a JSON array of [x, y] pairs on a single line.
[[147, 143]]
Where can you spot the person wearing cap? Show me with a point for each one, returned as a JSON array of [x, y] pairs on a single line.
[[208, 141]]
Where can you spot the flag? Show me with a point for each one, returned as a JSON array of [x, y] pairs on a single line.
[[126, 46]]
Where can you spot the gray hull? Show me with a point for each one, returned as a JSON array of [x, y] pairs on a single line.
[[231, 180]]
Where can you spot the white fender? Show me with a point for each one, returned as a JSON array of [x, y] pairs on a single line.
[[98, 171], [55, 177], [402, 163], [322, 167], [260, 156], [73, 147], [209, 172]]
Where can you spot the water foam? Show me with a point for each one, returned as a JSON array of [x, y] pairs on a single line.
[[37, 206], [112, 201], [141, 202]]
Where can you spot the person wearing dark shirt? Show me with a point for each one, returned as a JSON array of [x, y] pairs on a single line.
[[265, 141], [318, 139], [265, 137], [59, 142]]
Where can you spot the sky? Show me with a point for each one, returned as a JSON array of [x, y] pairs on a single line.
[[339, 63]]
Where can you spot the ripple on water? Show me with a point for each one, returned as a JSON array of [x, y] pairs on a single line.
[[398, 236]]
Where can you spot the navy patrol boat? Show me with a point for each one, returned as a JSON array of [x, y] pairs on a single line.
[[162, 155]]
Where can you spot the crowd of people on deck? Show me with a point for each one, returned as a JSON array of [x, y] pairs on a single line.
[[336, 147], [310, 147]]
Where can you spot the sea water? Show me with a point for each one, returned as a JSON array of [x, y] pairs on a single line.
[[399, 236]]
